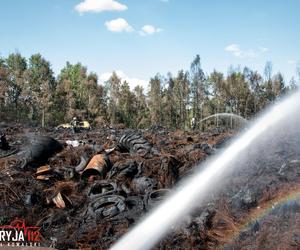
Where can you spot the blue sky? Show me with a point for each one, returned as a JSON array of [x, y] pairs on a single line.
[[139, 38]]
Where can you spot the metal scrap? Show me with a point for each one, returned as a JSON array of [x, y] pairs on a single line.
[[98, 165]]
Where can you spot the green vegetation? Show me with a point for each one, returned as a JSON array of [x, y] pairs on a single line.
[[30, 93]]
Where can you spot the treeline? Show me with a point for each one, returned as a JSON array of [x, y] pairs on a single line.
[[29, 92]]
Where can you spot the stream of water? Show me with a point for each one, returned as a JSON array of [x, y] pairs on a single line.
[[160, 221]]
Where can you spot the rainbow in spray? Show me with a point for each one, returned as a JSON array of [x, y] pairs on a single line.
[[261, 212]]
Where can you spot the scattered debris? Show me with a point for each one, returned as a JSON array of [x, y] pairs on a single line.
[[5, 148], [98, 165], [102, 188], [154, 198], [134, 143], [87, 194], [40, 149], [73, 143], [3, 142], [59, 201]]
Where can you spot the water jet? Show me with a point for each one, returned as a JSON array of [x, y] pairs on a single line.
[[194, 190]]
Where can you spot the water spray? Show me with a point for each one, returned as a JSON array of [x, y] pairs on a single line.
[[159, 222]]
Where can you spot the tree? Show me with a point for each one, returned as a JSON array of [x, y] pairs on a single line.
[[169, 104], [16, 67], [293, 85], [94, 99], [142, 116], [4, 85], [255, 81], [240, 94], [127, 106], [269, 94], [278, 85], [114, 84], [155, 96], [198, 89], [40, 86], [181, 96], [218, 94], [75, 75], [78, 90]]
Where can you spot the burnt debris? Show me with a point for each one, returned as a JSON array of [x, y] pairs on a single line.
[[86, 196]]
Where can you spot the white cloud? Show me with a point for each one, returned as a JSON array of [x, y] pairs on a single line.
[[263, 49], [132, 81], [292, 61], [149, 30], [235, 50], [99, 6], [118, 25]]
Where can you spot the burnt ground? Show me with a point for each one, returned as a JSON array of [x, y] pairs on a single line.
[[91, 208]]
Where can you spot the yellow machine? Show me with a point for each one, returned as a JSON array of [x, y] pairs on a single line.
[[85, 125], [80, 125]]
